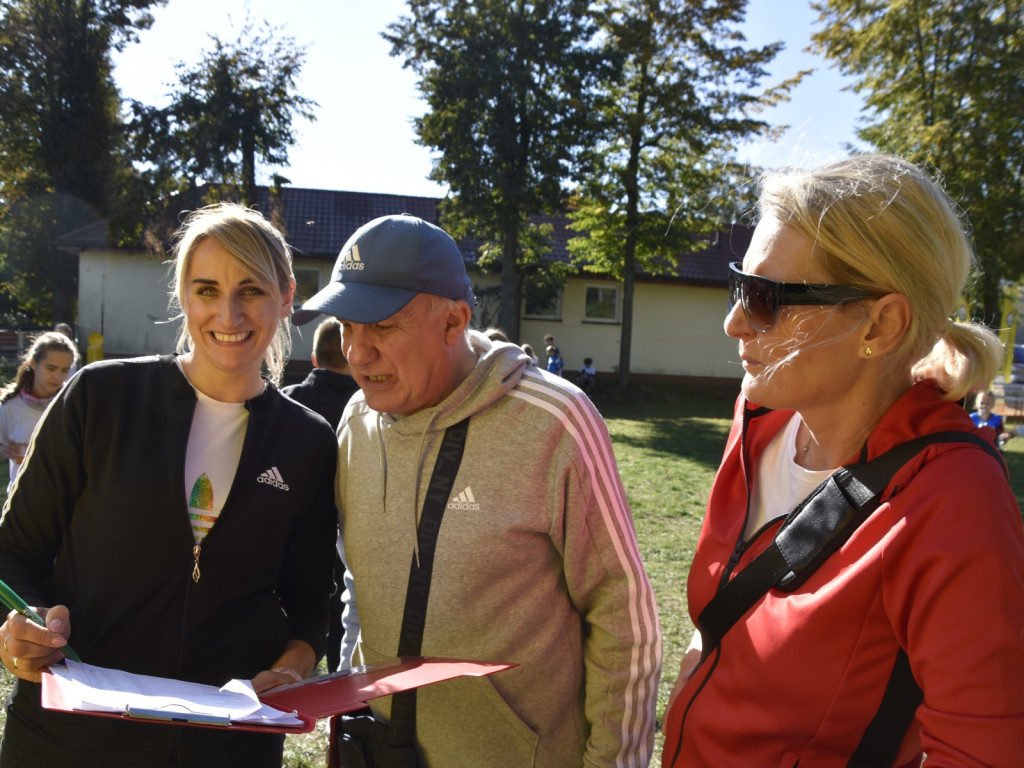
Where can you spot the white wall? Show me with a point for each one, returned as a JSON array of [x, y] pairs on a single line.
[[677, 330], [125, 298]]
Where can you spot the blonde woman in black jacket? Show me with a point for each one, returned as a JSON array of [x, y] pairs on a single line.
[[175, 517]]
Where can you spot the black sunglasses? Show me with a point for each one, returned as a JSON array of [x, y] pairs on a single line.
[[761, 297]]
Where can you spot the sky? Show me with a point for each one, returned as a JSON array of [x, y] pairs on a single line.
[[363, 140]]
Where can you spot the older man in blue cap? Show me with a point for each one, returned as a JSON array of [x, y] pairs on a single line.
[[536, 561]]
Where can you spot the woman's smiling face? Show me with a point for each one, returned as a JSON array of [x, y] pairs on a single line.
[[231, 318]]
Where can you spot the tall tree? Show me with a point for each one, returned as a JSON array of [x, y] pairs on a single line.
[[235, 107], [59, 138], [944, 81], [508, 84], [684, 96]]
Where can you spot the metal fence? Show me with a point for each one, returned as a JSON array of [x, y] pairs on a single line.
[[1012, 396], [14, 343]]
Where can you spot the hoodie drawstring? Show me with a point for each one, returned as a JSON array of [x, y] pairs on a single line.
[[382, 458]]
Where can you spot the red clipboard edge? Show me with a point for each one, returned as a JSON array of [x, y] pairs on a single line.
[[349, 690], [315, 697]]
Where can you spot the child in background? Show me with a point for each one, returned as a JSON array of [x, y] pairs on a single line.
[[555, 363], [983, 416], [42, 373], [585, 377]]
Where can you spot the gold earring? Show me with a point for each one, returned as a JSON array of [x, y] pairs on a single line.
[[867, 351]]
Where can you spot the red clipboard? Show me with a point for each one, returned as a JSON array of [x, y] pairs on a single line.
[[316, 697]]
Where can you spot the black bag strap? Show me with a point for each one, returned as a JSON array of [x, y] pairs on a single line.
[[402, 732], [880, 744], [819, 525]]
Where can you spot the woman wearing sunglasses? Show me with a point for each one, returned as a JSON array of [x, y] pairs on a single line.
[[841, 309]]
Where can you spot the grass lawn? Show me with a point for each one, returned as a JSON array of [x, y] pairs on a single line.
[[668, 440]]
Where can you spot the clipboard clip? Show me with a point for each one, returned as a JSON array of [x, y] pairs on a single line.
[[187, 717]]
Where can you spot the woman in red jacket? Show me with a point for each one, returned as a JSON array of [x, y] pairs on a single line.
[[842, 309]]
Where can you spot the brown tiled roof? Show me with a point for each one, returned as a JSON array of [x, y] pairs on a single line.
[[711, 265], [93, 235], [319, 221], [560, 234]]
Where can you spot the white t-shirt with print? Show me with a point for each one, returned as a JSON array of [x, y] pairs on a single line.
[[211, 460]]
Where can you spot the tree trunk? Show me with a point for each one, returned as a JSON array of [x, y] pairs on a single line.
[[511, 287], [626, 337], [70, 215], [629, 249], [248, 167], [65, 290]]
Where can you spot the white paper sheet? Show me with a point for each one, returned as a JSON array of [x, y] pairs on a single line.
[[98, 689]]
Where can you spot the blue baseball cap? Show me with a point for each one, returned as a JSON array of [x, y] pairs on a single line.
[[384, 265]]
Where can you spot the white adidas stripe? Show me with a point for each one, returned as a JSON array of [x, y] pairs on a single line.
[[579, 422]]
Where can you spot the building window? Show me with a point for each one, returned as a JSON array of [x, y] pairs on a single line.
[[307, 283], [543, 305], [602, 304]]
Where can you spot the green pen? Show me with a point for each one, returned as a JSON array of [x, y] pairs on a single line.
[[13, 600]]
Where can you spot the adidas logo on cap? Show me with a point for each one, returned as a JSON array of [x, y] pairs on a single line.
[[273, 477], [349, 260]]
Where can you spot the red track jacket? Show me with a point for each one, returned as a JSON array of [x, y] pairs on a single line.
[[937, 570]]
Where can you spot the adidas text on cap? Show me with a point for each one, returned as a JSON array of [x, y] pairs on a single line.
[[384, 265]]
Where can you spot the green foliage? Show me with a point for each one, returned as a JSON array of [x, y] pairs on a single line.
[[232, 108], [28, 262], [59, 140], [69, 158], [509, 87], [682, 99], [944, 81], [683, 96], [672, 221], [542, 277]]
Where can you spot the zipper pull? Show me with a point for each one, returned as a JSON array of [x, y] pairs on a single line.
[[196, 550], [734, 560]]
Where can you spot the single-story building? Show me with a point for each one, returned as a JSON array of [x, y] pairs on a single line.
[[677, 325]]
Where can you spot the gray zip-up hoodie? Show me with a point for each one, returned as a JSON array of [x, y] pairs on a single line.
[[536, 563]]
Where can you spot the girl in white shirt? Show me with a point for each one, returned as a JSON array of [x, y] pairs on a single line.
[[42, 373]]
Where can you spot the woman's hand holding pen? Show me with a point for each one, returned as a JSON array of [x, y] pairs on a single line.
[[26, 647]]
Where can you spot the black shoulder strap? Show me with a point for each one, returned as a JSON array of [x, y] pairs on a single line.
[[814, 530], [880, 744], [402, 733]]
